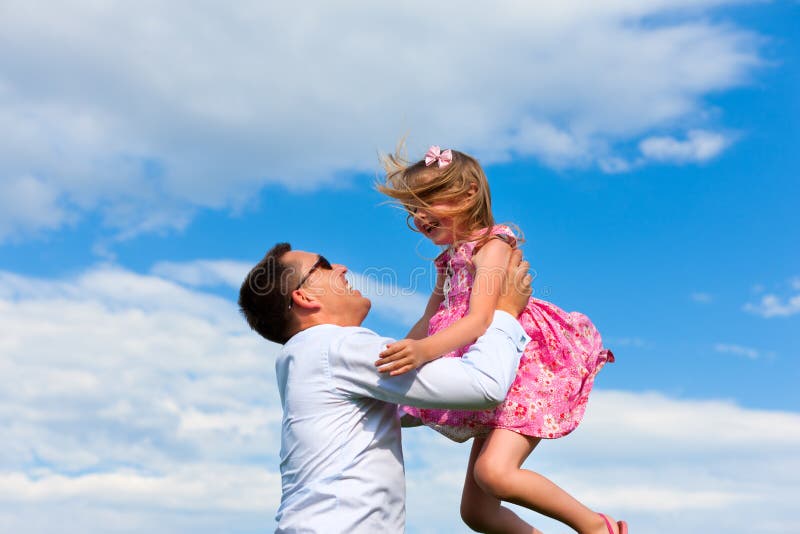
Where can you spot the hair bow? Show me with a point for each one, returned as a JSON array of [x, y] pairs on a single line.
[[435, 154]]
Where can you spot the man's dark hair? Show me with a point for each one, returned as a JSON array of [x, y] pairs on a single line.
[[265, 295]]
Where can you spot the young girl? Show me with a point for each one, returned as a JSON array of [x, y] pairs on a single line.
[[447, 196]]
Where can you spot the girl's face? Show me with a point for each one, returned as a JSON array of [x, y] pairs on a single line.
[[440, 230]]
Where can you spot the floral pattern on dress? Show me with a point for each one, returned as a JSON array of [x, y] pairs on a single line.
[[556, 372]]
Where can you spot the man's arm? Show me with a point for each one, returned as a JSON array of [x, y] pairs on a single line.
[[480, 379]]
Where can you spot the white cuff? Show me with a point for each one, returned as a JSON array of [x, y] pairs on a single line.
[[507, 323]]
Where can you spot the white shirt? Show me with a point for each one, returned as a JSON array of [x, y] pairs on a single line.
[[341, 455]]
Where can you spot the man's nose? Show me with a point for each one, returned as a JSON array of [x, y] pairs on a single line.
[[339, 267]]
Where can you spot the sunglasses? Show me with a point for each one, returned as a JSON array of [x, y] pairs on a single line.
[[321, 263]]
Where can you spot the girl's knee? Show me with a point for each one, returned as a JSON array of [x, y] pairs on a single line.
[[474, 517], [492, 477]]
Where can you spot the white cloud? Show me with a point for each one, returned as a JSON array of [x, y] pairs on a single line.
[[204, 273], [397, 302], [738, 350], [144, 112], [197, 487], [615, 165], [698, 147], [774, 306], [204, 497], [702, 298], [28, 204], [129, 390]]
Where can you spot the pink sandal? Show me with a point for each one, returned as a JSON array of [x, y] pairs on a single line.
[[621, 525]]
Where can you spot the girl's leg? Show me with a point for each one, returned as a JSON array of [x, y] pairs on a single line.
[[498, 472], [482, 512]]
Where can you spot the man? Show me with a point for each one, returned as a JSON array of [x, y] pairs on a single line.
[[341, 455]]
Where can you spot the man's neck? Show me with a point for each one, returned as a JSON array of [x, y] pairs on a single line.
[[317, 319]]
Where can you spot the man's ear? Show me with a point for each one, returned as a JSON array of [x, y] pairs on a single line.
[[305, 300]]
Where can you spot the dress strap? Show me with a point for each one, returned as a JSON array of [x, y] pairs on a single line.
[[506, 238], [501, 232]]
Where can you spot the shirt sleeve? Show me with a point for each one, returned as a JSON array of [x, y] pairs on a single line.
[[480, 379]]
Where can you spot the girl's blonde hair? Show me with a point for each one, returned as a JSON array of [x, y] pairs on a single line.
[[461, 182]]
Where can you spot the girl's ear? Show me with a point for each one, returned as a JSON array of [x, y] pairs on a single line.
[[473, 189]]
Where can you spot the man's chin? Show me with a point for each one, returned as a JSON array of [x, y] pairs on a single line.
[[366, 308]]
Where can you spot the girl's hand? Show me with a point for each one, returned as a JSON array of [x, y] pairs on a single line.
[[401, 357]]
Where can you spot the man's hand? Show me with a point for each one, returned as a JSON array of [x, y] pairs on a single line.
[[401, 357], [517, 286]]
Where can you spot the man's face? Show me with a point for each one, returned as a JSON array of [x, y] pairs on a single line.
[[329, 287]]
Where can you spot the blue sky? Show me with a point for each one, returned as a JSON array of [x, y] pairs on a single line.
[[646, 149]]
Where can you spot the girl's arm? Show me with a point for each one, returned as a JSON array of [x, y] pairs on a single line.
[[420, 330], [491, 262]]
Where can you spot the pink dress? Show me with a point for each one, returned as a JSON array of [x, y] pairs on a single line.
[[556, 372]]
